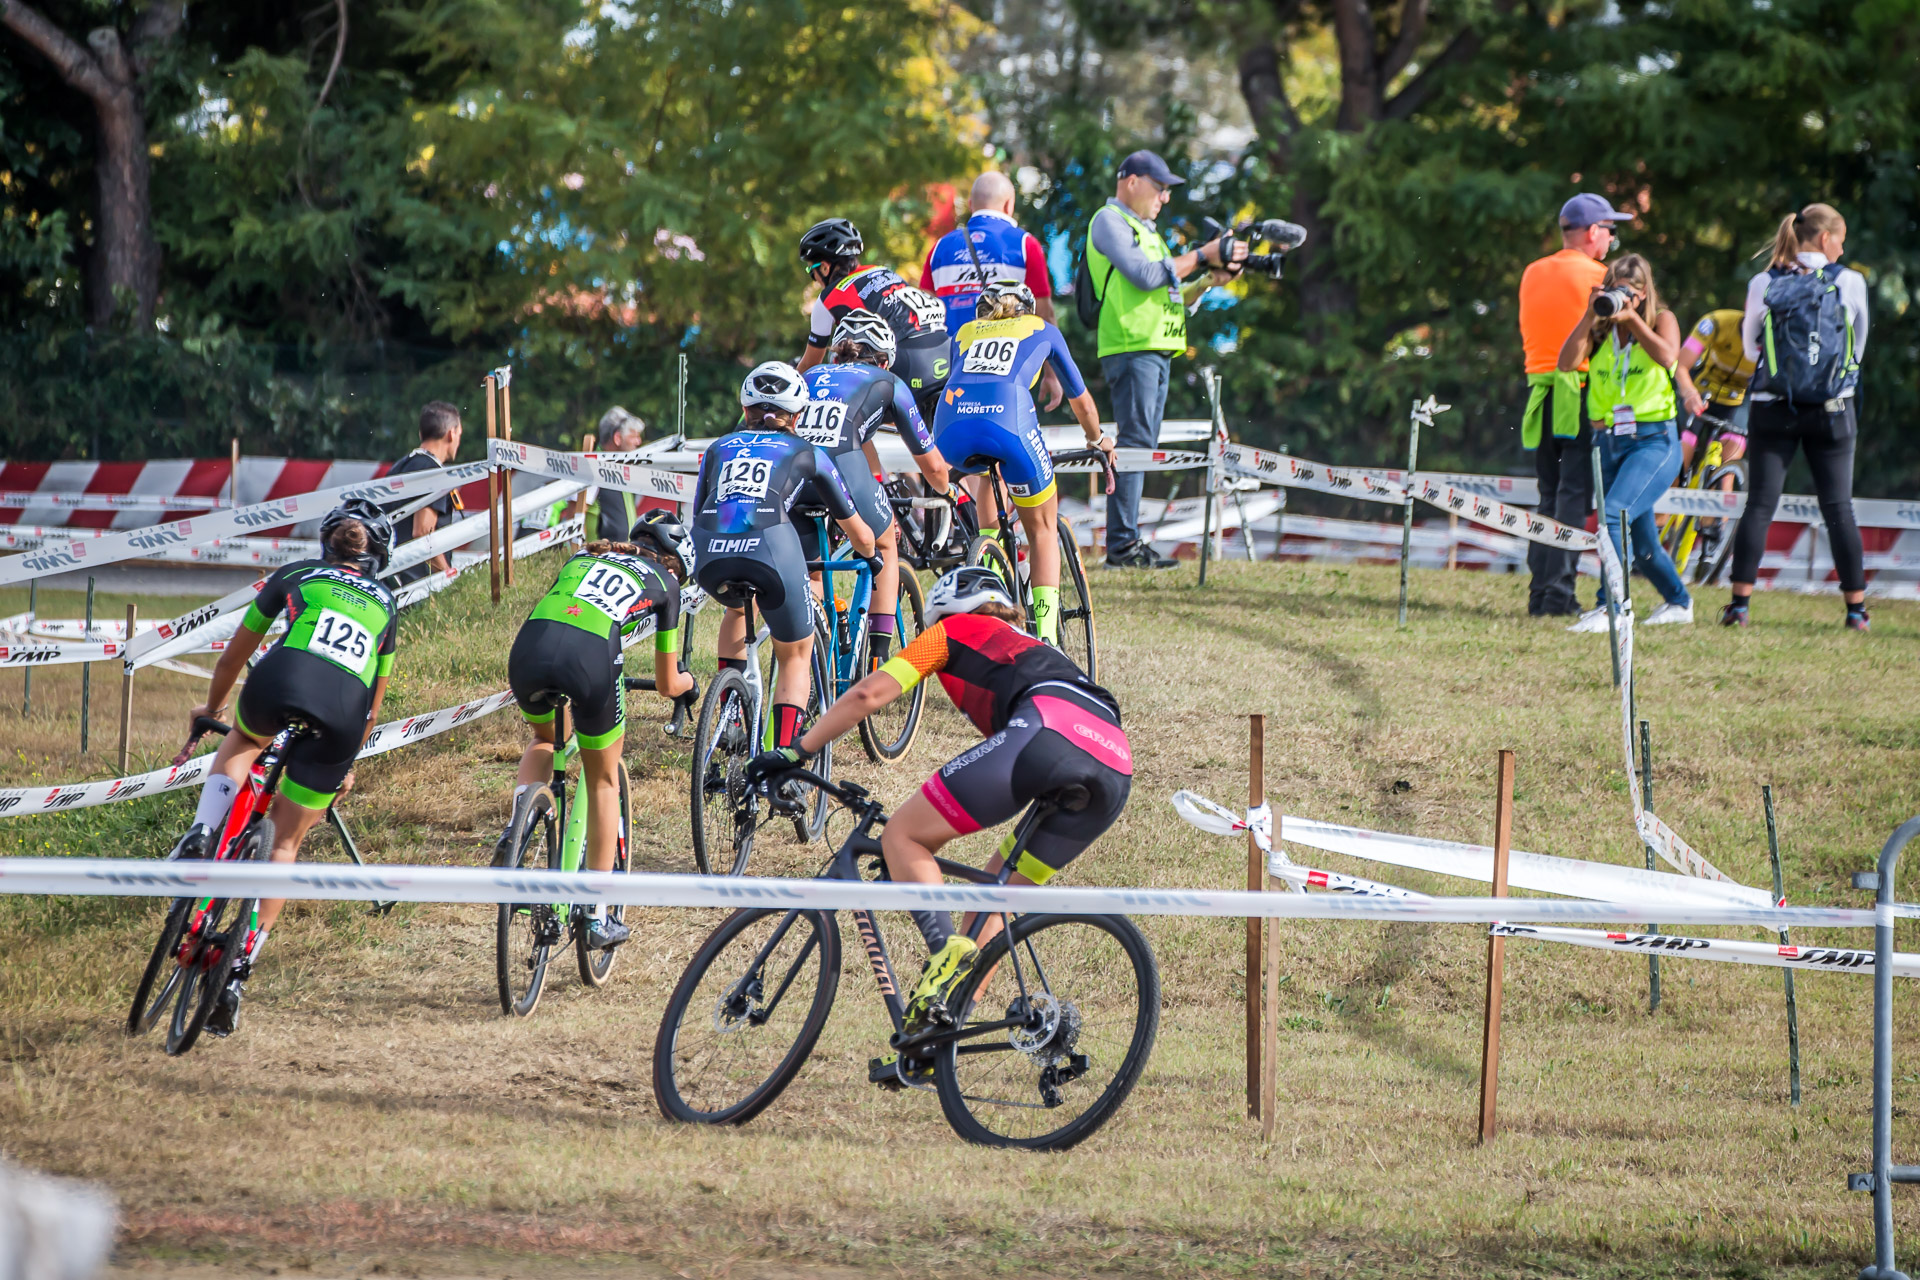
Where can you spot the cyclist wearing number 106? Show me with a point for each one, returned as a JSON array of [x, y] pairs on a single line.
[[570, 647], [1049, 729], [328, 671], [987, 411]]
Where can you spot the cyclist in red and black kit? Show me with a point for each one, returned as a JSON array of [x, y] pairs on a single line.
[[1048, 727], [831, 250]]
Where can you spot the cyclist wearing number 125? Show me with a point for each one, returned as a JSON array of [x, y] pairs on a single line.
[[570, 647], [987, 411], [328, 671]]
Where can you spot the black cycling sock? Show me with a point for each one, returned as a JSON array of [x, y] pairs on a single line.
[[733, 664], [879, 646], [936, 927], [786, 723]]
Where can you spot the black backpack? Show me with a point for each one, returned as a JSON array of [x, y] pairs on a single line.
[[1806, 342], [1086, 303]]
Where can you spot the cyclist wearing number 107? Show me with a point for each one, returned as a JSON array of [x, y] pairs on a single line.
[[1049, 729], [987, 411], [328, 671], [570, 647]]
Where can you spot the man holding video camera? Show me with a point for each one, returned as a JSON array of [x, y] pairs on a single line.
[[1133, 281]]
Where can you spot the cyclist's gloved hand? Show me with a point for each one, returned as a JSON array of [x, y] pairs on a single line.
[[875, 563], [772, 763], [691, 698]]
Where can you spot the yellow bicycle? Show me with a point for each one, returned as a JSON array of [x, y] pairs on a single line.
[[1684, 533]]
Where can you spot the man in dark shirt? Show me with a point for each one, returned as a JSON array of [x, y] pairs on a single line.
[[439, 442]]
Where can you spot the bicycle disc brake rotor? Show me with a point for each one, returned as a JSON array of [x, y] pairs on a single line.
[[733, 1011], [1051, 1026]]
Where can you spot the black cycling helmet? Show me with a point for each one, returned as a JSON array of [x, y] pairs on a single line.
[[661, 531], [379, 531], [830, 241]]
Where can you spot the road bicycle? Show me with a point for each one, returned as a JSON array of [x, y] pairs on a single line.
[[1000, 550], [736, 724], [202, 939], [1682, 534], [887, 733], [549, 833], [1044, 1040]]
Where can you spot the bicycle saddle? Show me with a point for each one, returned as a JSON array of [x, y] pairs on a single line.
[[1071, 799], [734, 593]]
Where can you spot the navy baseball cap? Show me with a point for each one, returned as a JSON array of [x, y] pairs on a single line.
[[1586, 209], [1145, 164]]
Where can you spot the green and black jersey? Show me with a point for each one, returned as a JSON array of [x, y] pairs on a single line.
[[333, 612], [600, 594]]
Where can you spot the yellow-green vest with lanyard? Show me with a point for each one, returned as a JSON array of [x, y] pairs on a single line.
[[1132, 318], [1625, 384]]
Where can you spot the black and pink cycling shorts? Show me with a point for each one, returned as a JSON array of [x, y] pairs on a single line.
[[1057, 736]]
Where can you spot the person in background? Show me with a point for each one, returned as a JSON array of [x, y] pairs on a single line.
[[1803, 397], [439, 443], [612, 512], [1553, 295], [1630, 358], [1143, 321]]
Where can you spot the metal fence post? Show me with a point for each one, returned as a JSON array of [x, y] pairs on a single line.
[[1646, 798], [1780, 900], [1406, 516], [1885, 1172]]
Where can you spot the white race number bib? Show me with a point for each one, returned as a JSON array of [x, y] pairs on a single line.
[[991, 356], [819, 423], [341, 639], [608, 590], [745, 478]]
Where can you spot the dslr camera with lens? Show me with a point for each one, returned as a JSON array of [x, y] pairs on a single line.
[[1609, 303], [1281, 238]]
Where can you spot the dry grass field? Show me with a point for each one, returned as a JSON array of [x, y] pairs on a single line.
[[377, 1115]]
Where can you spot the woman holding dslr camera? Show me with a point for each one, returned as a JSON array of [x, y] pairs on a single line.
[[1630, 343]]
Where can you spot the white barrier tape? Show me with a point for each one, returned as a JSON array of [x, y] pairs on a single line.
[[1831, 959], [1299, 473], [133, 544], [592, 469], [1333, 881], [531, 544], [112, 501], [26, 537], [18, 801], [1498, 515], [187, 632], [1682, 856], [156, 879], [1538, 872], [50, 655], [460, 533]]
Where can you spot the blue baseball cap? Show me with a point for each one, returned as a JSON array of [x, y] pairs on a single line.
[[1146, 164], [1586, 209]]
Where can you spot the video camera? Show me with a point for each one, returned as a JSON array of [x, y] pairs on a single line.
[[1284, 237]]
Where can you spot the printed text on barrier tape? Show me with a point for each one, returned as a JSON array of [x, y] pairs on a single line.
[[110, 501], [262, 515], [592, 468], [1828, 959], [1498, 515], [1300, 473], [150, 878]]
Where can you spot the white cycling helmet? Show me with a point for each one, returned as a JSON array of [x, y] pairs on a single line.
[[965, 589], [868, 330], [1007, 298], [776, 383]]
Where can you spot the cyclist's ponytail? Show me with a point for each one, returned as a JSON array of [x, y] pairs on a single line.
[[347, 542], [1005, 612], [606, 546], [1804, 227]]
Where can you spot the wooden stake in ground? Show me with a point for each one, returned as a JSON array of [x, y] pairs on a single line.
[[505, 386], [1496, 952], [1256, 881], [126, 689], [86, 673], [1453, 541], [1270, 1053], [233, 473], [493, 498]]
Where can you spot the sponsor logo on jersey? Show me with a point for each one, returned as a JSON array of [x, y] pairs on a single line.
[[975, 407], [731, 546]]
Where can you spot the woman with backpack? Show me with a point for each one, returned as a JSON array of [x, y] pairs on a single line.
[[1805, 325]]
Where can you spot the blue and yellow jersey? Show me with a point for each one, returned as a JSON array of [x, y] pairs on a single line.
[[992, 352]]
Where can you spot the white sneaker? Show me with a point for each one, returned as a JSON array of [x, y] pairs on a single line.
[[1596, 619], [1666, 613]]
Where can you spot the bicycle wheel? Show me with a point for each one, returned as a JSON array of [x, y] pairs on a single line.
[[725, 809], [1090, 1010], [742, 1020], [1716, 551], [1076, 607], [595, 966], [216, 949], [811, 823], [986, 550], [887, 733], [147, 1004], [524, 933]]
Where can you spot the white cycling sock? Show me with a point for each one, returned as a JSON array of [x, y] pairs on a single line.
[[216, 798]]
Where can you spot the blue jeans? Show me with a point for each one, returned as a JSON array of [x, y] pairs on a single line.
[[1137, 380], [1636, 470]]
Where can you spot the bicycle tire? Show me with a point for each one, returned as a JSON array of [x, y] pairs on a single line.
[[1070, 965], [985, 550], [148, 1007], [222, 936], [878, 738], [811, 823], [519, 926], [726, 810], [597, 966], [1076, 633], [683, 1097], [1712, 568]]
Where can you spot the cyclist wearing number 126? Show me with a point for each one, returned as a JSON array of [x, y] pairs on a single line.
[[328, 671], [987, 411]]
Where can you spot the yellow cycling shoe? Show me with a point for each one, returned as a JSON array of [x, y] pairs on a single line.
[[945, 970]]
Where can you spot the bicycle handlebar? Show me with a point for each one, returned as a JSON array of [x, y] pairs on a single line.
[[1089, 455], [202, 726]]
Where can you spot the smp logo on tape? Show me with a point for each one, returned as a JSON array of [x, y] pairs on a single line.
[[27, 655], [1658, 942], [161, 536], [1827, 956], [280, 512], [49, 561]]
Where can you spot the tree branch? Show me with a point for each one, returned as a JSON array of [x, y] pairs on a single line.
[[1265, 92], [75, 65], [1460, 49], [339, 52], [1359, 89], [157, 25], [1413, 28]]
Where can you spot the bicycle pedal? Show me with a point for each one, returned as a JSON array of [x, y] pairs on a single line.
[[885, 1072]]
